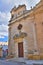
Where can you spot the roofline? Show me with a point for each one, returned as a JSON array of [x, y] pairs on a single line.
[[32, 10], [17, 7]]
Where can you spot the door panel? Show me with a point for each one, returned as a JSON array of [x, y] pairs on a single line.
[[20, 49]]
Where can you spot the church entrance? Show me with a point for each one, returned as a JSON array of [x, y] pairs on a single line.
[[20, 49]]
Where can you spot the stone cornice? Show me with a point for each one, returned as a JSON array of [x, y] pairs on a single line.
[[21, 17], [29, 14], [14, 9]]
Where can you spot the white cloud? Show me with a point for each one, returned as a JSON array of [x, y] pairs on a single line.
[[7, 1], [3, 27], [3, 33], [28, 3], [1, 36], [4, 17], [3, 30]]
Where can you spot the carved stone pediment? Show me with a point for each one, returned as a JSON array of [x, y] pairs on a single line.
[[21, 35]]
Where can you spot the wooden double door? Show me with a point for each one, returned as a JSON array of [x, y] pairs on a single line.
[[20, 49]]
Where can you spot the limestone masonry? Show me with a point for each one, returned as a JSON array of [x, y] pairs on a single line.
[[26, 31]]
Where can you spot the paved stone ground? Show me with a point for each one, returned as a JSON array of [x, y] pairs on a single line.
[[16, 63], [21, 62], [12, 63]]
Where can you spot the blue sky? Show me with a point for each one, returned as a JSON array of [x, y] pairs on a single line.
[[5, 7]]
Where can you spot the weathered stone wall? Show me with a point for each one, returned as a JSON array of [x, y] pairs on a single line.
[[33, 26], [28, 42]]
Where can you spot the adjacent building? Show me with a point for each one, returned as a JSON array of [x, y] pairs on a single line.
[[3, 49], [1, 52], [26, 31]]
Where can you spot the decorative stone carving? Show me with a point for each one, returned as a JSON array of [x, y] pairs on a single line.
[[20, 27]]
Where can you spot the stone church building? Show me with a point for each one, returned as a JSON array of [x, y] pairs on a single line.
[[26, 31]]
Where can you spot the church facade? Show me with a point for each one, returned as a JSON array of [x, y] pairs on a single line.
[[26, 31]]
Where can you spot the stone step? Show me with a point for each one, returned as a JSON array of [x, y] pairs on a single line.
[[18, 59]]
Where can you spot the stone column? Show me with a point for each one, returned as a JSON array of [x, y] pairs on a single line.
[[35, 39]]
